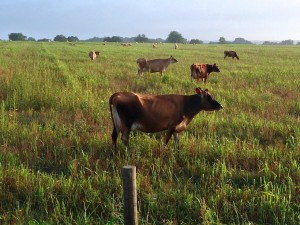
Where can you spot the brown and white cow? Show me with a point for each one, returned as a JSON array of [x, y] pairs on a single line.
[[154, 65], [201, 71], [93, 54], [231, 54], [154, 113]]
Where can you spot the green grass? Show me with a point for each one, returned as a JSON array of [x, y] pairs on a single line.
[[240, 165]]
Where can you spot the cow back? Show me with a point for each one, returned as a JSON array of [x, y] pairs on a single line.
[[199, 71]]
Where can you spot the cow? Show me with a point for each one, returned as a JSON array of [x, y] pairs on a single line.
[[154, 65], [93, 54], [176, 46], [201, 71], [154, 113], [231, 54]]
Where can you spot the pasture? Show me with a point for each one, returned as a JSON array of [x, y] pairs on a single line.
[[239, 165]]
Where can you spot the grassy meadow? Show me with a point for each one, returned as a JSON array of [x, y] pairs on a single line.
[[240, 165]]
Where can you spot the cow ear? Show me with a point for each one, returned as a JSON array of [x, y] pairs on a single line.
[[198, 90]]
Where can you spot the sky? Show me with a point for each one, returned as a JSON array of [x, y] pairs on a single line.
[[207, 20]]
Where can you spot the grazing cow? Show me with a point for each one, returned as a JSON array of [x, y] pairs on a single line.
[[150, 114], [176, 46], [201, 71], [230, 54], [93, 55], [154, 65], [154, 45]]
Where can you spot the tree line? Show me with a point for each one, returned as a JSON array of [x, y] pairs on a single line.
[[21, 37], [173, 37]]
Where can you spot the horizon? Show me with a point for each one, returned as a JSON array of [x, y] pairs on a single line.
[[123, 37]]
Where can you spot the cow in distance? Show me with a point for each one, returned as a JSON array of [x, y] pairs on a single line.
[[154, 65], [93, 54], [202, 71], [231, 54]]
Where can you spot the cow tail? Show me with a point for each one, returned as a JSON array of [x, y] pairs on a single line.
[[114, 134], [111, 113]]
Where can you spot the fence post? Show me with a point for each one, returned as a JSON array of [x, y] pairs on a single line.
[[130, 195]]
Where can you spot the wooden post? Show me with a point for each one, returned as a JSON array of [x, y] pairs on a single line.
[[130, 195]]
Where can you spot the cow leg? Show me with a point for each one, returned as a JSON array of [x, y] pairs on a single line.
[[176, 139], [140, 72], [114, 137], [125, 137], [168, 136]]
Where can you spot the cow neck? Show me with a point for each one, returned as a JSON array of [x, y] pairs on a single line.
[[209, 68], [193, 105]]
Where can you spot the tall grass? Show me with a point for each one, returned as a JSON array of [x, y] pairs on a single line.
[[236, 166]]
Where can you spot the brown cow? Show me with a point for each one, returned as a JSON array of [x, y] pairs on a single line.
[[150, 114], [231, 54], [201, 71], [93, 54], [154, 65]]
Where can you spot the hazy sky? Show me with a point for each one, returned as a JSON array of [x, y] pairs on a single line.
[[266, 20]]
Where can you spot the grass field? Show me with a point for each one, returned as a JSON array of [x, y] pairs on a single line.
[[240, 165]]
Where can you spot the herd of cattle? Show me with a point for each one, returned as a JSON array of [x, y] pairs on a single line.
[[198, 70], [154, 113]]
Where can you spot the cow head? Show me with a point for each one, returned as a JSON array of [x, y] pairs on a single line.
[[97, 53], [215, 68], [173, 60], [207, 100]]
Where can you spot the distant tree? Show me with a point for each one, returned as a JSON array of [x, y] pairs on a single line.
[[158, 40], [116, 39], [287, 42], [107, 39], [175, 37], [141, 38], [269, 43], [298, 43], [30, 39], [222, 40], [112, 39], [44, 40], [196, 41], [60, 38], [95, 39], [72, 39], [241, 41], [16, 37]]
